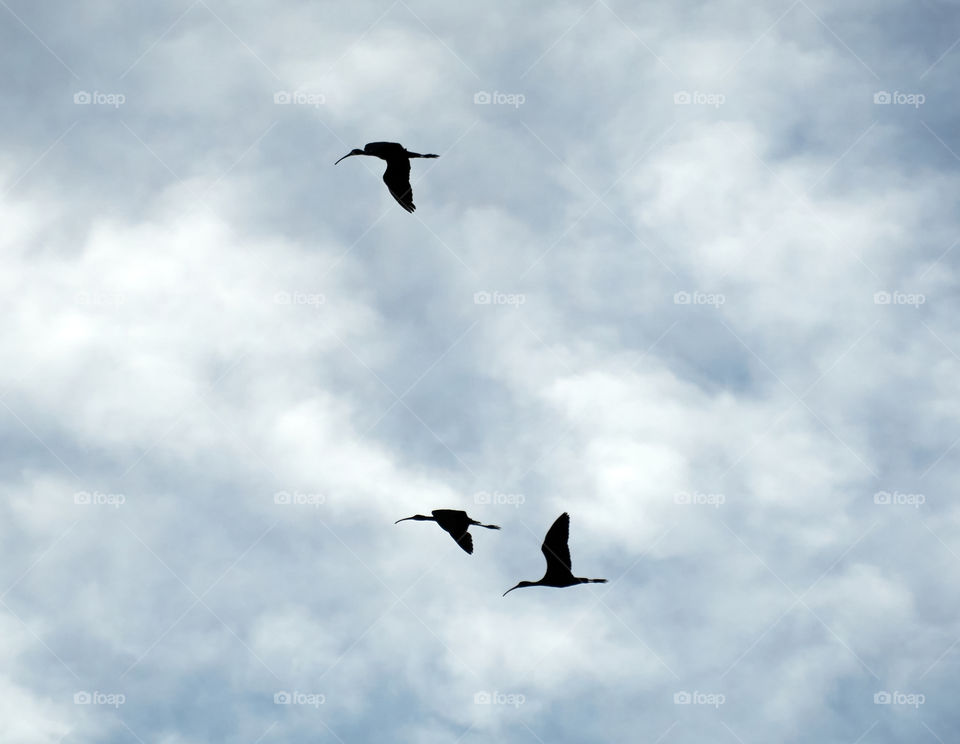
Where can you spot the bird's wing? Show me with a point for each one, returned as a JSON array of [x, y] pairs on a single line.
[[555, 548], [465, 541], [397, 178], [455, 524]]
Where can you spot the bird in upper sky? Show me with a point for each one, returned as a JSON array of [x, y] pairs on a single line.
[[557, 553], [455, 522], [397, 174]]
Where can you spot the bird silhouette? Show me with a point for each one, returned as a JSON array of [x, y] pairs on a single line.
[[455, 522], [397, 174], [557, 553]]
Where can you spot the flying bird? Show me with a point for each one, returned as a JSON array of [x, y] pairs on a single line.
[[455, 522], [397, 174], [557, 553]]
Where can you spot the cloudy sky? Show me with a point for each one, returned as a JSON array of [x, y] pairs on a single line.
[[687, 271]]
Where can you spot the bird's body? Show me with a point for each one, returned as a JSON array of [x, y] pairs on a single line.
[[455, 522], [397, 174], [557, 553]]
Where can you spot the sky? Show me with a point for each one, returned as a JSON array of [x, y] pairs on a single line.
[[687, 271]]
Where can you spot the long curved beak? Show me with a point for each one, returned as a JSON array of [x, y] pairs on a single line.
[[347, 156], [405, 518], [510, 590]]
